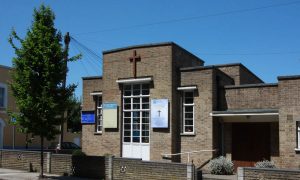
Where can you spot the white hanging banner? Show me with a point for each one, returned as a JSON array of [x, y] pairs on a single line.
[[110, 115], [159, 113]]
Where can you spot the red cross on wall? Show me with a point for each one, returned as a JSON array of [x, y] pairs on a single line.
[[135, 58]]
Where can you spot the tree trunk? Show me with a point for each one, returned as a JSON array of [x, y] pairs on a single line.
[[26, 146], [42, 158]]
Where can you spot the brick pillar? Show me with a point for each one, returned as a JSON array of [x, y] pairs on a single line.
[[48, 162], [109, 167], [190, 174], [240, 173]]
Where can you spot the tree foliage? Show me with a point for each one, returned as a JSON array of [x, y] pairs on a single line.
[[38, 74], [39, 71], [74, 115]]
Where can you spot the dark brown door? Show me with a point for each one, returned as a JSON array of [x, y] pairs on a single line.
[[250, 143]]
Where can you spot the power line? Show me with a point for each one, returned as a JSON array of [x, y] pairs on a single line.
[[86, 48], [251, 54], [82, 64], [91, 62], [191, 18], [89, 52]]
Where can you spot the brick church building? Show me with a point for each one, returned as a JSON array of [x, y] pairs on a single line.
[[155, 100]]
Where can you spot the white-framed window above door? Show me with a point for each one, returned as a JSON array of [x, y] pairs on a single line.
[[136, 113]]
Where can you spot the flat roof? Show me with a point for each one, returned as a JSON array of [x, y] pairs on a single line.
[[220, 66], [150, 45]]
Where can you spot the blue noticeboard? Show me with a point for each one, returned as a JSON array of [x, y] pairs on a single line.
[[159, 113], [87, 117]]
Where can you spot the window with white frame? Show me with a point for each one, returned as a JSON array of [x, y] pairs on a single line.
[[136, 116], [3, 95], [188, 112], [298, 134], [99, 115]]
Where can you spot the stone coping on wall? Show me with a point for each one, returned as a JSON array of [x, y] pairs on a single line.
[[161, 162], [251, 85], [245, 173], [272, 169], [91, 77], [293, 77], [243, 111]]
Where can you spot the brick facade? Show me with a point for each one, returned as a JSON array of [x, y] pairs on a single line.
[[252, 96], [6, 128], [225, 94]]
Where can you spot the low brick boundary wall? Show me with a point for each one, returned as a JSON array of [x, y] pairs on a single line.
[[98, 167], [128, 168], [249, 173], [22, 160], [30, 161], [60, 164]]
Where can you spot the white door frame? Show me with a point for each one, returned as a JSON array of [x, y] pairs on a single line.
[[136, 121]]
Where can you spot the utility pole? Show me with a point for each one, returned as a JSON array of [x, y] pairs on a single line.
[[67, 40]]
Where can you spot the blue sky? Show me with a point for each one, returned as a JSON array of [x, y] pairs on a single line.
[[263, 35]]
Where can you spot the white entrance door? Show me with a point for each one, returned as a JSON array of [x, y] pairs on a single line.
[[136, 121]]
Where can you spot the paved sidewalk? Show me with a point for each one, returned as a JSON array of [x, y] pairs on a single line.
[[10, 174]]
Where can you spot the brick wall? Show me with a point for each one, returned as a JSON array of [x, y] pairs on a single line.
[[155, 59], [203, 122], [90, 140], [239, 73], [61, 164], [126, 168], [180, 59], [289, 113], [267, 174], [96, 166], [263, 96], [23, 160], [30, 161]]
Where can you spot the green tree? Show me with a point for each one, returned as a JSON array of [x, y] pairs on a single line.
[[74, 115], [39, 71]]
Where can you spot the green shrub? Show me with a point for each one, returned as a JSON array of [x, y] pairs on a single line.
[[221, 166], [265, 164], [78, 152]]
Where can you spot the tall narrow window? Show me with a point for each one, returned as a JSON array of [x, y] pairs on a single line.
[[3, 95], [298, 134], [136, 113], [188, 112], [99, 112]]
